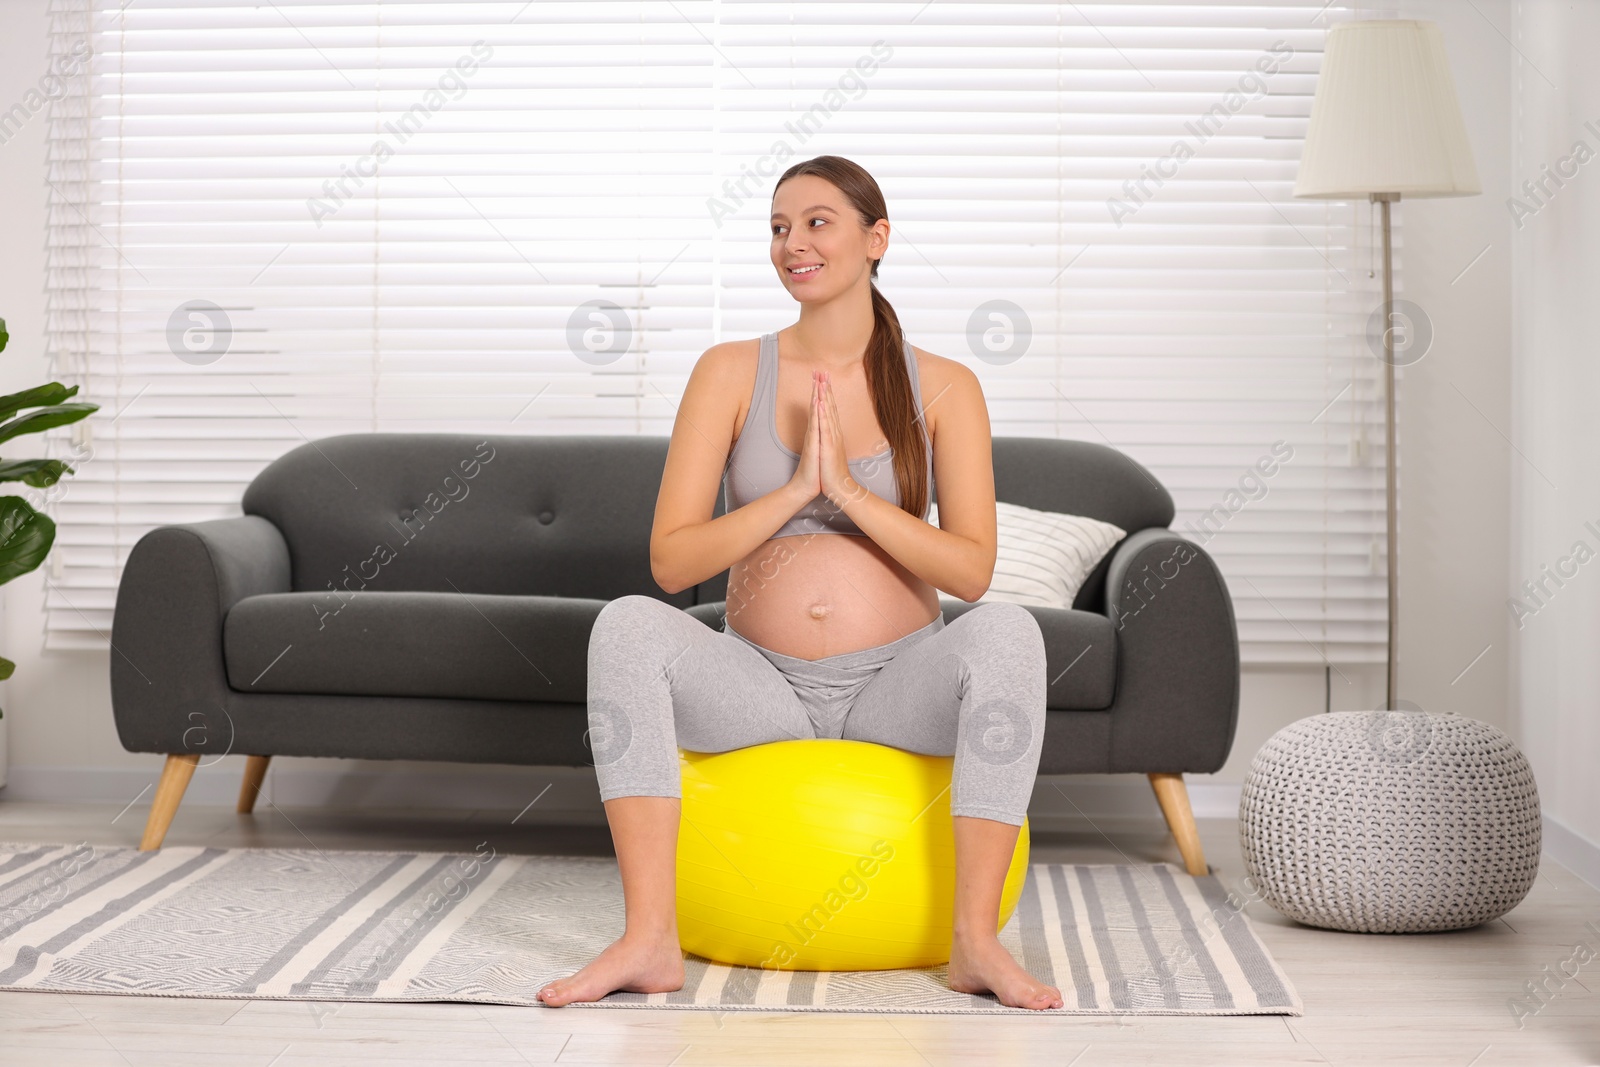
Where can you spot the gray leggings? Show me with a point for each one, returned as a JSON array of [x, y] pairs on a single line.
[[975, 689]]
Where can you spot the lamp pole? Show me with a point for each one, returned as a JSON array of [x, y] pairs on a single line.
[[1383, 200]]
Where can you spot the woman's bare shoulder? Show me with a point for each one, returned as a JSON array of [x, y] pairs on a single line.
[[729, 364], [721, 383], [727, 356], [941, 377]]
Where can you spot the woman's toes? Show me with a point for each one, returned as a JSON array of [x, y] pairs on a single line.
[[559, 993], [1047, 998]]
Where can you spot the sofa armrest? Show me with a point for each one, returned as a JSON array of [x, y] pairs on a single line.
[[169, 686], [1177, 697]]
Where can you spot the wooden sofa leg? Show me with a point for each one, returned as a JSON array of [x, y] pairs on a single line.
[[255, 769], [1173, 797], [169, 792]]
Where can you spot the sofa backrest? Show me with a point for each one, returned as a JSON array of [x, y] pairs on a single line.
[[570, 514], [546, 515]]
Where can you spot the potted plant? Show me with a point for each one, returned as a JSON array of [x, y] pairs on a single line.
[[25, 534]]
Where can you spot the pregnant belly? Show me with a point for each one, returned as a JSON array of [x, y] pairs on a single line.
[[816, 595]]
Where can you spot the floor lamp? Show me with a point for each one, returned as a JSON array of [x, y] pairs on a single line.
[[1385, 124]]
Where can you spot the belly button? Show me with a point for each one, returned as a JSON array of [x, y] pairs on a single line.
[[819, 611]]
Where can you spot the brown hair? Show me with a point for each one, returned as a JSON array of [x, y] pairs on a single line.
[[888, 381]]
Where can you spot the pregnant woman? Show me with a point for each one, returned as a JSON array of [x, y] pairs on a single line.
[[834, 426]]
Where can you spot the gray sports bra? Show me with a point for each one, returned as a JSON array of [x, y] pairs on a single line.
[[759, 462]]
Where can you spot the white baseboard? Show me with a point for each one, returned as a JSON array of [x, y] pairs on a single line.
[[359, 784], [1572, 850]]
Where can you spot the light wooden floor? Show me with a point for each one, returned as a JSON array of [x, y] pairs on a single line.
[[1418, 999]]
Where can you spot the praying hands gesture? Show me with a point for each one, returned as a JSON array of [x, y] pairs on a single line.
[[824, 468]]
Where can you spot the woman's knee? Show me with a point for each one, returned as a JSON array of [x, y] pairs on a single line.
[[625, 658], [631, 616], [631, 606], [630, 644], [1002, 624], [1008, 723]]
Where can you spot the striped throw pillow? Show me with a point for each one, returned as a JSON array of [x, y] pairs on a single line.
[[1043, 557]]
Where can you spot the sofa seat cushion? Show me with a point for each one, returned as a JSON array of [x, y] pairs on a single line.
[[483, 646], [469, 645]]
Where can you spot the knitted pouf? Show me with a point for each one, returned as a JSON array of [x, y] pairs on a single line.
[[1390, 822]]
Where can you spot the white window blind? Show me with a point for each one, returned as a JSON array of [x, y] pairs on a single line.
[[272, 223]]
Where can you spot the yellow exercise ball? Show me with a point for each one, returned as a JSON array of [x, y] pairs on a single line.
[[821, 854]]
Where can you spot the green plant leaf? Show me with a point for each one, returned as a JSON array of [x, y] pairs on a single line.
[[46, 419], [4, 337], [25, 537], [39, 473], [38, 396], [6, 667]]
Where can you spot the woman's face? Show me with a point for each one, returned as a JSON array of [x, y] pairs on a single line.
[[814, 226]]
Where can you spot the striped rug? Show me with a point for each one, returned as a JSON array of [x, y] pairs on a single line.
[[310, 924]]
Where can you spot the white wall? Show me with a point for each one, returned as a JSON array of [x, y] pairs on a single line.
[[1454, 460], [1454, 526], [1555, 386]]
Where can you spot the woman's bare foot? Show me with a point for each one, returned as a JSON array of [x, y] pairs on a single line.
[[982, 965], [634, 963]]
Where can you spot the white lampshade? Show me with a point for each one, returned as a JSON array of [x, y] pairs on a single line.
[[1385, 118]]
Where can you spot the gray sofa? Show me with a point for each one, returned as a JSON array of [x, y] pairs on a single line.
[[430, 596]]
